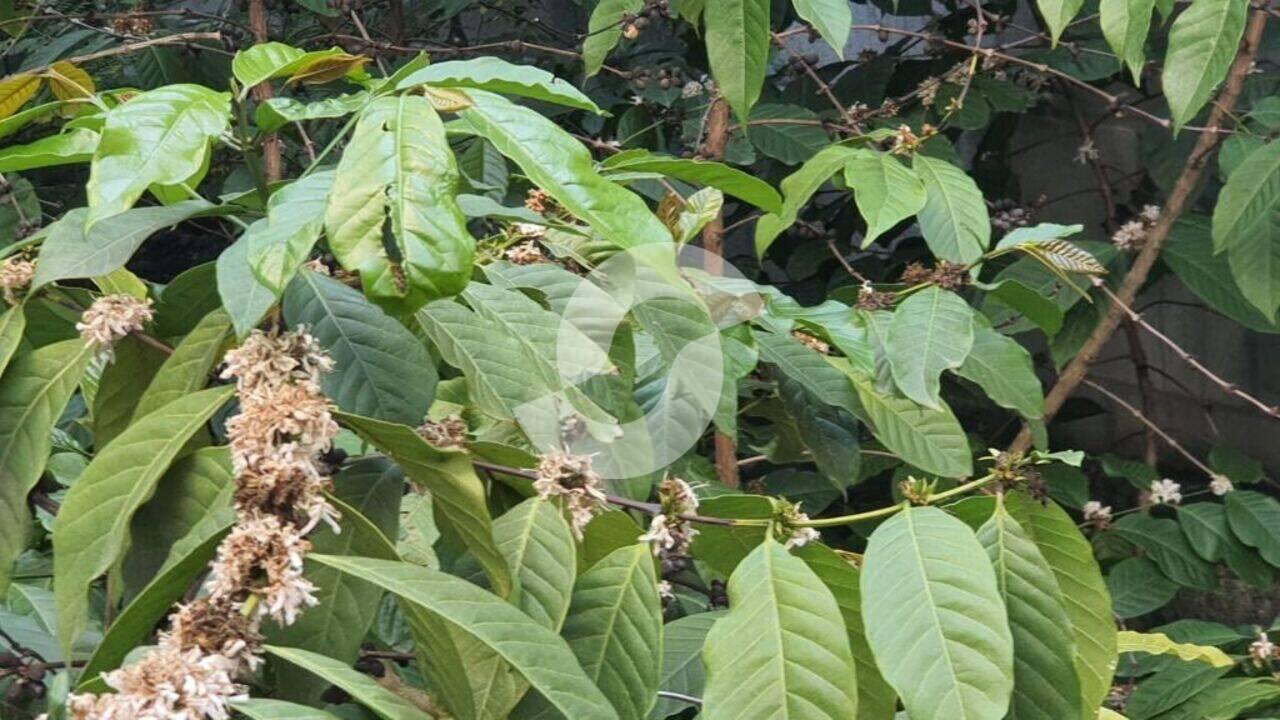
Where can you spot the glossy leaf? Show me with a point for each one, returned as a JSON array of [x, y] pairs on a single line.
[[539, 548], [499, 76], [885, 190], [159, 137], [268, 60], [92, 527], [190, 365], [1125, 24], [797, 188], [705, 172], [1168, 548], [930, 439], [364, 689], [1004, 370], [1138, 587], [267, 709], [738, 50], [832, 18], [243, 295], [277, 112], [13, 322], [381, 369], [933, 609], [604, 29], [775, 599], [281, 242], [1202, 44], [1255, 519], [932, 330], [682, 668], [954, 217], [71, 147]]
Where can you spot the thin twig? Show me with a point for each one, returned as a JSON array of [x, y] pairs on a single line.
[[176, 39], [1136, 413]]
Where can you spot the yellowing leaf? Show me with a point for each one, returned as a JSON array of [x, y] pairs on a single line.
[[446, 99], [1160, 644], [15, 91], [69, 82], [328, 69]]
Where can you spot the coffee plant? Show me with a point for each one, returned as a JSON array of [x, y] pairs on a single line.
[[630, 359]]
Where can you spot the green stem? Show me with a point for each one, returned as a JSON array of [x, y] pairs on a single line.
[[886, 511]]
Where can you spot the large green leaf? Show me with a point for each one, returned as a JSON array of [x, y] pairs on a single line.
[[1253, 254], [830, 434], [1044, 677], [268, 60], [69, 251], [808, 369], [1255, 519], [364, 689], [832, 18], [797, 188], [1166, 546], [1125, 24], [62, 149], [538, 545], [876, 700], [92, 526], [34, 389], [682, 669], [930, 439], [280, 242], [782, 635], [1004, 371], [120, 386], [1251, 194], [718, 175], [456, 493], [399, 168], [188, 368], [243, 295], [497, 75], [885, 190], [557, 163], [1189, 253], [382, 370], [12, 324], [159, 137], [1210, 535], [1169, 688], [1138, 587], [954, 218], [931, 331], [368, 495], [1202, 44], [535, 652], [604, 29], [1058, 14], [935, 617], [276, 112], [738, 50], [1088, 603], [773, 130], [268, 709]]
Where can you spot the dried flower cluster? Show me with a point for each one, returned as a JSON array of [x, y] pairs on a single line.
[[1133, 234], [816, 344], [946, 275], [571, 478], [525, 253], [15, 276], [871, 299], [669, 532], [449, 432], [112, 317], [276, 444], [1097, 514]]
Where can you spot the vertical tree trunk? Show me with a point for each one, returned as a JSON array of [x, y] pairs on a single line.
[[273, 162]]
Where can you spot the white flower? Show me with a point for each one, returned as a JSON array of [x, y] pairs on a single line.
[[1166, 492], [111, 318], [691, 89], [1086, 152], [1150, 214], [571, 478], [1262, 650], [1130, 236], [1221, 485], [665, 591], [1097, 513]]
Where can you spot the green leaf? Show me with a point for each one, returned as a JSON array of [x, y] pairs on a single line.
[[738, 50], [604, 29], [789, 142], [1168, 548], [1169, 688], [456, 492], [876, 700], [188, 368], [1189, 253], [810, 370], [1160, 644], [364, 689], [267, 709], [885, 190], [705, 172], [557, 163], [381, 369], [70, 252], [615, 630], [832, 18], [1250, 195], [499, 76], [1058, 14], [277, 112], [699, 210], [798, 662], [1202, 44], [535, 652], [932, 330], [954, 218], [34, 389], [1004, 371], [138, 619], [1226, 699], [1125, 24], [1045, 683], [797, 188], [92, 526], [76, 146], [281, 242], [1138, 587], [121, 384], [830, 434], [1088, 604], [682, 669], [933, 609], [1255, 519], [243, 295], [12, 324], [265, 61], [1254, 259], [539, 548], [1206, 528], [930, 439], [367, 494], [399, 168], [159, 137]]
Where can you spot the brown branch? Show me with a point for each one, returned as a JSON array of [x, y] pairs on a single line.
[[1141, 372], [1147, 423], [176, 39], [1178, 200], [272, 158], [823, 87]]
